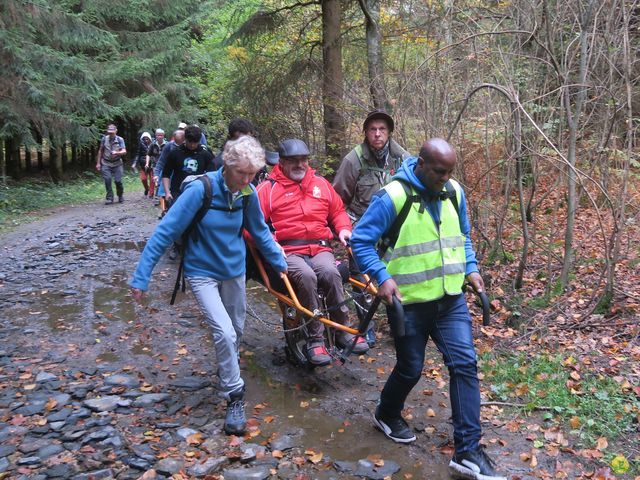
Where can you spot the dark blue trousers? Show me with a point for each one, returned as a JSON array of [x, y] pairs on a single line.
[[448, 323]]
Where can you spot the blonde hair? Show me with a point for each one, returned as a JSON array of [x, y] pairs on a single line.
[[245, 149]]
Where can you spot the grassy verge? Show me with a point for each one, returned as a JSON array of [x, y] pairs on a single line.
[[587, 403], [23, 202]]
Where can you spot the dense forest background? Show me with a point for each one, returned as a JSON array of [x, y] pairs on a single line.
[[539, 97]]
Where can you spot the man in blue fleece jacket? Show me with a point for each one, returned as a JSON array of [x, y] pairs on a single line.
[[214, 259], [425, 268]]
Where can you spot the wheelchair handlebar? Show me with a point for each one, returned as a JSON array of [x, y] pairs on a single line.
[[486, 308]]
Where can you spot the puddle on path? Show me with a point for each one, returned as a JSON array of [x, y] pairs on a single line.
[[336, 435], [124, 245], [108, 357], [111, 302]]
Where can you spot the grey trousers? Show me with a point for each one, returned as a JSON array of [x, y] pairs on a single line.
[[110, 172], [306, 275], [224, 306]]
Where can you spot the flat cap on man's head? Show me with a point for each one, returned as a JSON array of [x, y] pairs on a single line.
[[378, 115], [292, 147], [111, 128]]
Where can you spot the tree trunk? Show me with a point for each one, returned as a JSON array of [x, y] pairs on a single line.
[[40, 142], [573, 121], [64, 158], [55, 163], [27, 159], [375, 61], [12, 158], [332, 81], [74, 157], [623, 199], [3, 163]]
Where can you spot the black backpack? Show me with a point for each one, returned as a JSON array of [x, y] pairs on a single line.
[[191, 231], [390, 237]]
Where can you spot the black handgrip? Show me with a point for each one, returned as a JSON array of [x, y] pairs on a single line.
[[395, 314], [486, 308]]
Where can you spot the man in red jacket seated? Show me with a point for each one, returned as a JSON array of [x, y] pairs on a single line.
[[304, 211]]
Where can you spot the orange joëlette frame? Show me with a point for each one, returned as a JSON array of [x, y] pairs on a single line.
[[292, 299]]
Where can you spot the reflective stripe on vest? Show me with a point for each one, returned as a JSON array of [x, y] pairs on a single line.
[[426, 262]]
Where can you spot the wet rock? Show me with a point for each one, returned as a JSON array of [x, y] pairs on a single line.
[[6, 450], [57, 426], [164, 425], [34, 408], [99, 422], [137, 463], [183, 433], [62, 399], [88, 370], [45, 377], [4, 465], [122, 380], [99, 435], [49, 451], [191, 383], [251, 451], [149, 399], [79, 414], [169, 466], [107, 403], [28, 461], [366, 468], [59, 416], [30, 445], [286, 442], [79, 393], [71, 436], [345, 466], [208, 467], [62, 470], [144, 452], [214, 443], [96, 475], [115, 441], [254, 473]]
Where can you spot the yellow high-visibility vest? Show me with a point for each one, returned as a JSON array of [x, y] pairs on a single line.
[[428, 261]]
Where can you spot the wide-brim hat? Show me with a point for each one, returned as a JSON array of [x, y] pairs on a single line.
[[379, 115], [292, 147]]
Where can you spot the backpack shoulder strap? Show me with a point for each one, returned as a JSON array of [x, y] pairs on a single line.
[[190, 231], [452, 193], [206, 203], [390, 237]]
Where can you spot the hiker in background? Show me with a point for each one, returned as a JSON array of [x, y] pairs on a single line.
[[237, 128], [177, 139], [190, 158], [369, 166], [203, 137], [365, 170], [214, 258], [141, 160], [109, 163], [425, 266], [153, 154]]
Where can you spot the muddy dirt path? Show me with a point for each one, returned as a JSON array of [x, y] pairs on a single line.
[[93, 386]]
